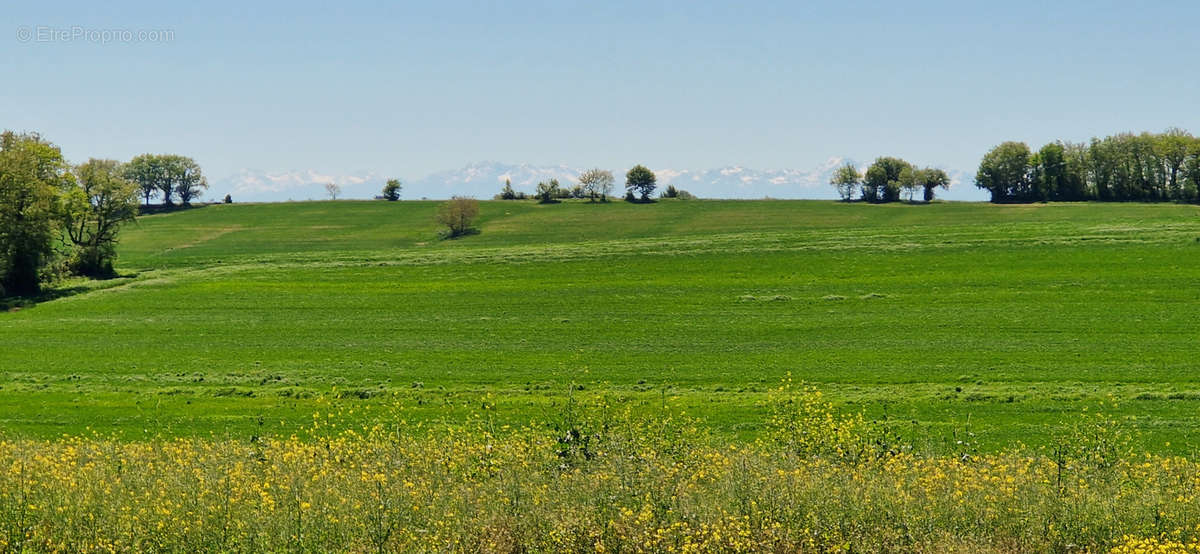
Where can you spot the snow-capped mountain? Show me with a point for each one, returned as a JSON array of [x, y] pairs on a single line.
[[266, 186], [485, 179], [742, 182]]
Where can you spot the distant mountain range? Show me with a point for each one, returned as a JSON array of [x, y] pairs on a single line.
[[485, 179]]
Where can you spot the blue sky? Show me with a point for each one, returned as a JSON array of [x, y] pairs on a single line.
[[407, 89]]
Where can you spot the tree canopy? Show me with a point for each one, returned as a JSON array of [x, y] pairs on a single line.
[[1145, 167], [641, 181]]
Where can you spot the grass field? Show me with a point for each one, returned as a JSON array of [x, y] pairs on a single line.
[[1001, 321]]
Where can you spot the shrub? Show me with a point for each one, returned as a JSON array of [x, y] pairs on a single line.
[[548, 192], [457, 215], [391, 191], [508, 193]]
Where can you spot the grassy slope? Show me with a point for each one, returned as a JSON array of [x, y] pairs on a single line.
[[244, 318]]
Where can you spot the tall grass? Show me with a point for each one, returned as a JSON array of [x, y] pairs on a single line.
[[595, 480]]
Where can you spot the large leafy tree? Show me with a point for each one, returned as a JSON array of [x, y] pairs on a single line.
[[641, 181], [168, 176], [147, 171], [882, 181], [33, 177], [845, 179], [93, 212], [1004, 172], [187, 179]]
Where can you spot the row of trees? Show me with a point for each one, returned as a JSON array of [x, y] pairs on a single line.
[[596, 185], [886, 179], [1125, 167], [167, 176], [52, 211]]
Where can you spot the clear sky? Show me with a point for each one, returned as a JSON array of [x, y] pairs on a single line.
[[406, 88]]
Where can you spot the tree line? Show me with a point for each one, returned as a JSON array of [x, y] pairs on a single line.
[[1148, 167], [596, 185], [57, 218], [887, 179]]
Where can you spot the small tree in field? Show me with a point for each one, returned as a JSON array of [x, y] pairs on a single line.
[[457, 215], [597, 183], [548, 192], [845, 180], [391, 191], [642, 181], [332, 190]]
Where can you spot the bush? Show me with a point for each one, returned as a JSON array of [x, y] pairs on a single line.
[[391, 191], [228, 199], [548, 192], [457, 215]]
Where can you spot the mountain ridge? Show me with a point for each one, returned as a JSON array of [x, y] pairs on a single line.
[[484, 179]]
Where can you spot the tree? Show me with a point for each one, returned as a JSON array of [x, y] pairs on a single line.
[[391, 190], [671, 192], [845, 179], [932, 178], [167, 175], [1173, 148], [642, 181], [33, 177], [332, 190], [597, 183], [146, 171], [1004, 172], [548, 192], [910, 181], [457, 215], [882, 180], [186, 178], [93, 211]]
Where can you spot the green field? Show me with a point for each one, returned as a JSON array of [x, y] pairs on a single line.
[[1002, 321]]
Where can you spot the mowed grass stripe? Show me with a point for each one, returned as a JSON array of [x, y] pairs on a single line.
[[1010, 318]]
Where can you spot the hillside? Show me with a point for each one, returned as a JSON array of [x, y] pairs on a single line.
[[247, 318]]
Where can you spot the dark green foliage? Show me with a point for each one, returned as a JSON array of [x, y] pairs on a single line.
[[549, 192], [882, 182], [1004, 172], [33, 178], [1122, 167], [507, 193], [641, 181], [391, 190]]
